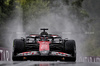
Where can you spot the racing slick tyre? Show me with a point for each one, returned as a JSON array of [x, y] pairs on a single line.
[[70, 48], [18, 47]]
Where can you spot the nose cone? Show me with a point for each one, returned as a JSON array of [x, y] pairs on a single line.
[[44, 53], [44, 45]]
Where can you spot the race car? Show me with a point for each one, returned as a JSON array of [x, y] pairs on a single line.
[[44, 46]]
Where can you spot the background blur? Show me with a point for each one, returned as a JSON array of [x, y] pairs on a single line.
[[73, 19]]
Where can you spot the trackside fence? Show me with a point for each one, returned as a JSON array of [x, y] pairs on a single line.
[[88, 59], [5, 54]]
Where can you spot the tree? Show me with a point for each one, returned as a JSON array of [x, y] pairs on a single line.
[[33, 8], [6, 8]]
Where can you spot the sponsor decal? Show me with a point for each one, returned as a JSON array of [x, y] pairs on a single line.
[[44, 45], [60, 54], [27, 53], [54, 36], [33, 35]]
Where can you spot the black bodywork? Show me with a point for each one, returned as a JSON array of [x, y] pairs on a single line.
[[57, 44]]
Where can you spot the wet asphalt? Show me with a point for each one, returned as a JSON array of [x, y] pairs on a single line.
[[47, 63]]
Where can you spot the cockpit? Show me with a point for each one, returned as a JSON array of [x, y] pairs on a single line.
[[44, 35]]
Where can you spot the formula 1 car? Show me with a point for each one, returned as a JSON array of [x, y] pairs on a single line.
[[44, 46]]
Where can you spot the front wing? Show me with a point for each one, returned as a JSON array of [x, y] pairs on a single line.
[[36, 55]]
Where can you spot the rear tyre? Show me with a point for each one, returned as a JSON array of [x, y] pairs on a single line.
[[70, 48], [18, 47]]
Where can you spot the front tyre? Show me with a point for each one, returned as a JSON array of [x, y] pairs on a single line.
[[70, 48], [18, 47]]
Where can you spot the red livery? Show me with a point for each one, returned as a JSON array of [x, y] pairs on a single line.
[[44, 45]]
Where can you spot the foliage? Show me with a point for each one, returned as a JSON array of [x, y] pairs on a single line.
[[6, 7], [77, 3], [78, 10], [33, 8]]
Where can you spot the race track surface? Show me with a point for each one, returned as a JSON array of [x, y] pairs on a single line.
[[43, 63]]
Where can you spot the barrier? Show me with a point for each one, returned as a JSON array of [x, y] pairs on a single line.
[[5, 54], [88, 59]]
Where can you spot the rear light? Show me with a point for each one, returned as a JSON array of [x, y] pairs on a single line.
[[24, 58], [63, 58]]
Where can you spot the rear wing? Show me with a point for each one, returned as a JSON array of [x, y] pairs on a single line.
[[44, 29]]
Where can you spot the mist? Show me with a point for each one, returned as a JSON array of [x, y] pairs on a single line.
[[14, 28], [58, 21]]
